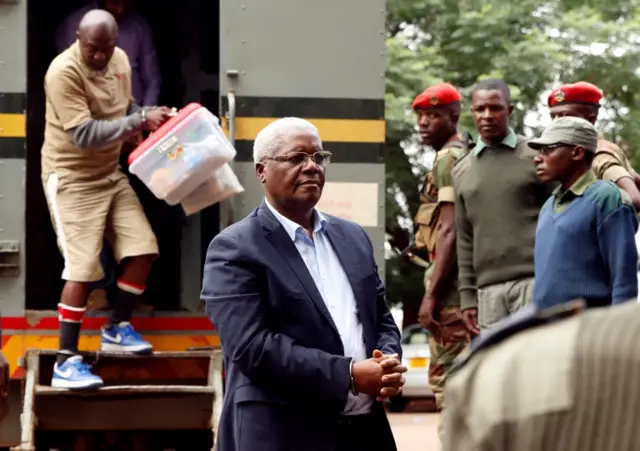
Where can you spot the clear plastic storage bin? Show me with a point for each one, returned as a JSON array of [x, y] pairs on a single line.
[[182, 154], [221, 186]]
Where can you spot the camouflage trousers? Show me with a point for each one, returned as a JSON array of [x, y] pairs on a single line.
[[446, 342]]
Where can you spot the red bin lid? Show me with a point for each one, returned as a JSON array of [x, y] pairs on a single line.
[[163, 131]]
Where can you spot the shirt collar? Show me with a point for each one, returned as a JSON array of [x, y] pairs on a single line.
[[319, 221], [578, 188], [511, 140]]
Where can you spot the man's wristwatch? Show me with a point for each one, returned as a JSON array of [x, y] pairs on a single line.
[[353, 381], [143, 116]]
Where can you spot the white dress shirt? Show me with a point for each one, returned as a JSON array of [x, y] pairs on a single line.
[[334, 287]]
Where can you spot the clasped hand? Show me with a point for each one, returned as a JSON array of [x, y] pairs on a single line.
[[381, 376]]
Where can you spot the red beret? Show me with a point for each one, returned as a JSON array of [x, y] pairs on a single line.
[[436, 95], [580, 92]]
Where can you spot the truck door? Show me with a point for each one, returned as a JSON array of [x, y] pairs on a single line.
[[323, 61], [12, 155]]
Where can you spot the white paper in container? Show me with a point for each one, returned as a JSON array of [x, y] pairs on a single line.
[[221, 186]]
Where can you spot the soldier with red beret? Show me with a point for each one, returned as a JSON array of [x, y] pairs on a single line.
[[582, 99], [438, 112]]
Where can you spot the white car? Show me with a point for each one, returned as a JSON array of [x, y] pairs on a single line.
[[416, 356]]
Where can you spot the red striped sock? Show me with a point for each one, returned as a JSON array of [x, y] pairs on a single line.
[[70, 322], [125, 301], [131, 287], [70, 314]]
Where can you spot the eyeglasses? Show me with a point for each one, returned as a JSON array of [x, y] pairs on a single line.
[[321, 158], [546, 150]]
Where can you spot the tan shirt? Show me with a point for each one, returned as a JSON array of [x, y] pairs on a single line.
[[610, 162], [567, 386], [76, 94]]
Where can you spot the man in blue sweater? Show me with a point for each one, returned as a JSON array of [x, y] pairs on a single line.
[[585, 239]]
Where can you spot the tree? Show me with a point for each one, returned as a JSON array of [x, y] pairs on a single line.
[[533, 46]]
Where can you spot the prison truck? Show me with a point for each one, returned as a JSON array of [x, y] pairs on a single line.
[[247, 61]]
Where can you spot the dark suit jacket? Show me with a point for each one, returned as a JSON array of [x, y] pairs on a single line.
[[287, 376]]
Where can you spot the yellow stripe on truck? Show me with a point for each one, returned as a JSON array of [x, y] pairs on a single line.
[[13, 126], [334, 130]]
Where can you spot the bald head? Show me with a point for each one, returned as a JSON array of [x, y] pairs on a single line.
[[99, 19], [97, 34]]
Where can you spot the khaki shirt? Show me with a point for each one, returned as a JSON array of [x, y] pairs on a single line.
[[76, 94], [610, 162], [571, 385]]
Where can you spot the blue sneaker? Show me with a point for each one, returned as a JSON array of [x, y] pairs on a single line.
[[74, 374], [124, 338]]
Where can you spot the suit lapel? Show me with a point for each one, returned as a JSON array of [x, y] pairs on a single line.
[[342, 247], [281, 241]]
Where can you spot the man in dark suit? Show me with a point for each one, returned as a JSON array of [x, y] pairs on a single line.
[[310, 346]]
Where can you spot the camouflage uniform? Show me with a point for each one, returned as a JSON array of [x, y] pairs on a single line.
[[610, 162], [448, 339]]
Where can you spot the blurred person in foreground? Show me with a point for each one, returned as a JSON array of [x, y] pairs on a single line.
[[310, 346], [556, 379], [585, 240], [438, 111]]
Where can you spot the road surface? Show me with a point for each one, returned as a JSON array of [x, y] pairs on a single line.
[[415, 431]]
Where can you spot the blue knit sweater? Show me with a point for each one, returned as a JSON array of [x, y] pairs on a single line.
[[585, 246]]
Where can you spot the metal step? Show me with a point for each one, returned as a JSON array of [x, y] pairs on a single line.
[[39, 365], [127, 390], [204, 352]]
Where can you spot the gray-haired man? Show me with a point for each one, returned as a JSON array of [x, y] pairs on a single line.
[[585, 240], [310, 345]]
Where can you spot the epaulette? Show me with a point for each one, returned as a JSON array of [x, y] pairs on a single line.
[[466, 155], [452, 147], [460, 165], [442, 152], [465, 142], [526, 318], [523, 150]]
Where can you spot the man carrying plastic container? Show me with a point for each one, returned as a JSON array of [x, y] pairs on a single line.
[[89, 112]]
